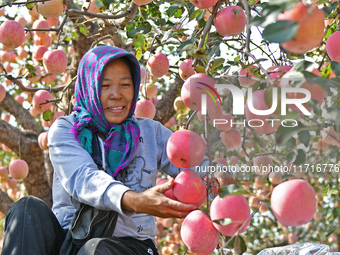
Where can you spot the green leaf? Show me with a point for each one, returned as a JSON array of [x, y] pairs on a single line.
[[280, 31], [48, 115], [236, 12], [301, 157], [143, 27], [218, 62], [311, 78], [335, 67], [130, 30], [84, 31], [172, 10], [223, 222], [231, 190], [214, 51], [188, 45], [195, 14], [30, 6], [304, 137], [138, 53], [139, 41], [238, 244], [302, 66], [99, 4], [107, 3], [333, 192]]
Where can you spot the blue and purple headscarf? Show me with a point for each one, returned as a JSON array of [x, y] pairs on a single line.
[[121, 139]]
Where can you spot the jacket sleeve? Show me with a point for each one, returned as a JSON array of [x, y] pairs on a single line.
[[78, 173]]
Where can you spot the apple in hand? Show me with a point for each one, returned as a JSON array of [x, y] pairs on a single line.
[[189, 188]]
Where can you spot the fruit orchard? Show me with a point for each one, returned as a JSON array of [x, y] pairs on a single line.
[[275, 118]]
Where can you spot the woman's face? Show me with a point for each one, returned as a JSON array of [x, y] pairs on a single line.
[[117, 91]]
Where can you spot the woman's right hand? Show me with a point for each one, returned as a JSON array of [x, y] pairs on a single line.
[[153, 202]]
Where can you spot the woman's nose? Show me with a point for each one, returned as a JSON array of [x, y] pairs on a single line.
[[115, 92]]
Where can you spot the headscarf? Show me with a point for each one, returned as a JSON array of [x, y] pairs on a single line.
[[121, 139]]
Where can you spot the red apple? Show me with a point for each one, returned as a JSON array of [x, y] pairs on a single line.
[[203, 4], [293, 202], [12, 34], [21, 20], [45, 41], [19, 99], [42, 140], [235, 208], [170, 122], [262, 164], [142, 2], [158, 64], [192, 90], [333, 46], [167, 193], [185, 149], [244, 73], [261, 123], [185, 69], [41, 24], [189, 188], [39, 52], [3, 174], [145, 108], [150, 89], [199, 234], [39, 100], [55, 61], [230, 21], [2, 93], [231, 139], [311, 27], [6, 117], [22, 53], [18, 169], [51, 8]]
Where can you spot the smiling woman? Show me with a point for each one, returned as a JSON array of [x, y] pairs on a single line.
[[117, 91]]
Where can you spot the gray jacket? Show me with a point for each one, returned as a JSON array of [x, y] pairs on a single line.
[[76, 175]]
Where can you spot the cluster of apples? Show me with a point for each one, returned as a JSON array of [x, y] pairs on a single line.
[[281, 77], [17, 170], [8, 183], [158, 66]]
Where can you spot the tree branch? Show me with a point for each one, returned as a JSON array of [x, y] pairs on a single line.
[[164, 107], [5, 202], [24, 118]]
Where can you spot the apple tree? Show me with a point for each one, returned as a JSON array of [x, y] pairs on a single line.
[[268, 70]]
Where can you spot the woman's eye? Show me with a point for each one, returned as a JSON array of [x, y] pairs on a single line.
[[105, 85]]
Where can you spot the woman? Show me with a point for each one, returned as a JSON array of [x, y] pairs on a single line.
[[133, 150], [106, 93]]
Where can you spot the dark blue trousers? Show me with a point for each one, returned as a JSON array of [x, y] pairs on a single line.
[[31, 228]]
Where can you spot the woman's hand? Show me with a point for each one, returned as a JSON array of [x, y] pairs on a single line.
[[153, 202]]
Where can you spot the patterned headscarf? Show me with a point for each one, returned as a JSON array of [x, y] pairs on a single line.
[[121, 139]]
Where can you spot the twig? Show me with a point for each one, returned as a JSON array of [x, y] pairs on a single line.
[[207, 28], [98, 15], [248, 31]]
